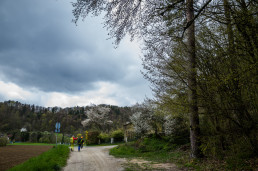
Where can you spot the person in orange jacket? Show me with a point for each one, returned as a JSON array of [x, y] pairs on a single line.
[[72, 142]]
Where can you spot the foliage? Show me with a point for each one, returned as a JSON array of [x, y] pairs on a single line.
[[104, 138], [50, 138], [79, 135], [53, 159], [143, 119], [153, 149], [25, 136], [15, 115], [140, 122], [227, 89], [176, 128], [210, 71], [118, 135], [98, 118], [160, 150], [3, 141], [93, 137]]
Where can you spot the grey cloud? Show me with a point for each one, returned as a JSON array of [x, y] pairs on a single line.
[[40, 47]]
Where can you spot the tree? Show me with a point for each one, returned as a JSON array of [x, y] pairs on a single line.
[[139, 19], [140, 123], [98, 116]]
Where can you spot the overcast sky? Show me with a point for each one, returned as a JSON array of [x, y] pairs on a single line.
[[47, 60]]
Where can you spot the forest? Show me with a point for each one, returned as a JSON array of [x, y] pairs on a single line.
[[39, 120]]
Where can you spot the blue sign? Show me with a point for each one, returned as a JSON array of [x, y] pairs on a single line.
[[57, 127]]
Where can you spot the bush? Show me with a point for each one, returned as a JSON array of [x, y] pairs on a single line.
[[66, 140], [79, 135], [104, 138], [17, 135], [93, 137], [25, 136], [44, 139], [33, 137], [3, 141], [118, 135]]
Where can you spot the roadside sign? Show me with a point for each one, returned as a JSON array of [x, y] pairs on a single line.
[[58, 125], [57, 130]]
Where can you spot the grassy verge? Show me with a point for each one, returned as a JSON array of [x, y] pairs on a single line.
[[155, 150], [161, 151], [104, 144], [54, 159]]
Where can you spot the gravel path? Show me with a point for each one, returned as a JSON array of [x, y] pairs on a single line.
[[93, 159]]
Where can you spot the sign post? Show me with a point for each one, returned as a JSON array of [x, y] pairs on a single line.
[[57, 130]]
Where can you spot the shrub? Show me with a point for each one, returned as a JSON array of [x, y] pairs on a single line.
[[104, 138], [33, 137], [44, 139], [79, 135], [3, 141], [93, 137], [47, 138], [118, 135], [25, 136]]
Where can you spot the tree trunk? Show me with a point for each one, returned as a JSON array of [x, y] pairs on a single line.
[[193, 109]]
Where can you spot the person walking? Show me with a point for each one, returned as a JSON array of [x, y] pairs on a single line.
[[79, 143], [82, 142], [72, 139]]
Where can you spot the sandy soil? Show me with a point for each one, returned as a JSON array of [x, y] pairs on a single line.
[[93, 159], [155, 166], [13, 155]]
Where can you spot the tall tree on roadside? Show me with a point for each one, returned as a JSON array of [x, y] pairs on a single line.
[[192, 94], [136, 17]]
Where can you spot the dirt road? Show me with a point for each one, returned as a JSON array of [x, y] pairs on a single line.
[[93, 159]]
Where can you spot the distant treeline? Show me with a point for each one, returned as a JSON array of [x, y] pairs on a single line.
[[15, 115]]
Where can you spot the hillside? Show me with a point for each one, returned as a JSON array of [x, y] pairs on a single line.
[[15, 115]]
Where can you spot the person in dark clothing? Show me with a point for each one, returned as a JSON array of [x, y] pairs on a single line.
[[82, 143], [79, 143]]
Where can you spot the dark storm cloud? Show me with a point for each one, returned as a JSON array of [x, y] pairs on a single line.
[[40, 47]]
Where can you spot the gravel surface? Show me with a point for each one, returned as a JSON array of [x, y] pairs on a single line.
[[93, 159]]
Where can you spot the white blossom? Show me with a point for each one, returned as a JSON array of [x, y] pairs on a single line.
[[169, 125], [97, 115], [140, 122], [86, 122]]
